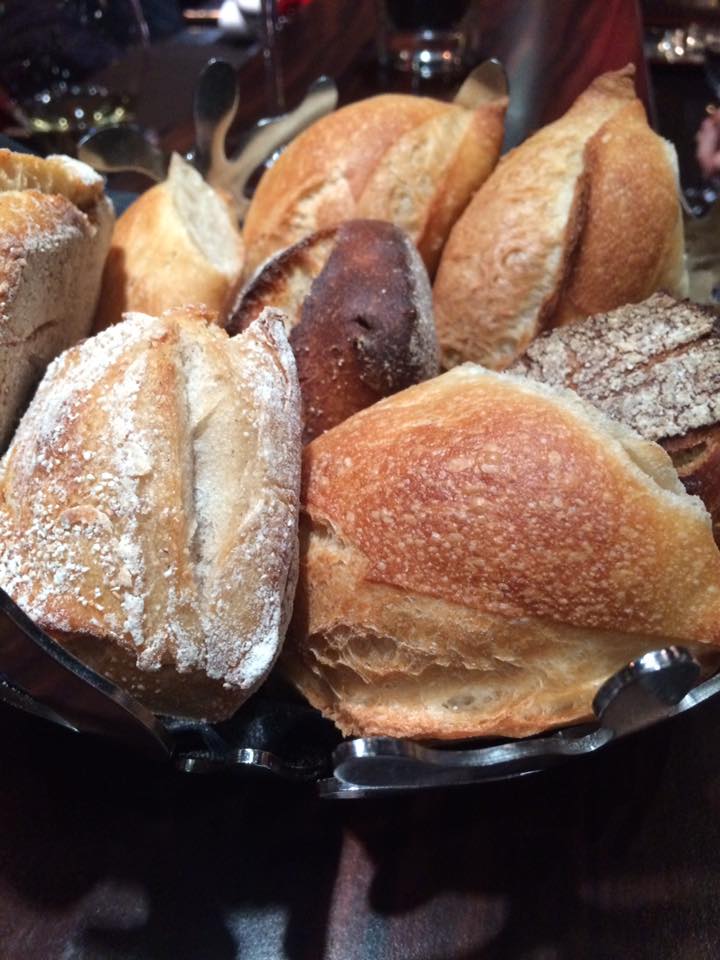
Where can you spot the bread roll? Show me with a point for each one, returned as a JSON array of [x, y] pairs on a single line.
[[359, 309], [480, 552], [655, 366], [177, 244], [581, 218], [55, 227], [148, 507], [411, 160]]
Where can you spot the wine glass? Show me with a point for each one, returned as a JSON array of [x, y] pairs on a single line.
[[48, 51]]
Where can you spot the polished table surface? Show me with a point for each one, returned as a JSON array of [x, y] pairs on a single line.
[[103, 856]]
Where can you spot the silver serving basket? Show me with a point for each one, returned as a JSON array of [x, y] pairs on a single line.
[[277, 735]]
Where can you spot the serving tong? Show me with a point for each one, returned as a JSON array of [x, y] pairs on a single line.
[[125, 147], [277, 736]]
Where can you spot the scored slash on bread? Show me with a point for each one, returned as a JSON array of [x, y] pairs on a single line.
[[359, 312], [177, 244], [55, 227], [480, 552], [655, 366], [413, 161], [148, 507], [582, 217]]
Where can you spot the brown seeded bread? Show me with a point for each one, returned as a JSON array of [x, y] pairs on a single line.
[[55, 227], [177, 244], [655, 366], [411, 160], [480, 552], [582, 217], [359, 309], [148, 507]]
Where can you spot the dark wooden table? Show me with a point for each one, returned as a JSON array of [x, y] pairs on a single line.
[[103, 857]]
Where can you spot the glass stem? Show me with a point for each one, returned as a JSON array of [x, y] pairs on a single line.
[[273, 74]]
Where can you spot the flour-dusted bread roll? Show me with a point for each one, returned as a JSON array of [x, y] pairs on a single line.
[[148, 507], [177, 244], [654, 366], [359, 313], [55, 227], [481, 552], [581, 218], [411, 160]]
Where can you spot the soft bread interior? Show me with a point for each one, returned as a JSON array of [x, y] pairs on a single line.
[[205, 216], [482, 552], [70, 178]]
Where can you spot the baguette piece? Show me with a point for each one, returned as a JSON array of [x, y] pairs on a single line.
[[581, 218], [411, 160], [148, 507], [480, 552], [177, 244], [655, 366], [55, 228], [359, 308]]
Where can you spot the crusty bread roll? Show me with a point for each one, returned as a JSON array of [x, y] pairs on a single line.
[[655, 366], [359, 308], [55, 227], [148, 507], [480, 552], [581, 218], [177, 244], [411, 160]]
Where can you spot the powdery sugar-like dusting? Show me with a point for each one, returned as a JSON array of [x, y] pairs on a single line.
[[77, 496]]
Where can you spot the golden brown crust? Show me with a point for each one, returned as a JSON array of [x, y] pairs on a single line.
[[69, 178], [360, 317], [148, 507], [155, 263], [55, 226], [476, 529], [411, 160], [632, 233], [504, 270]]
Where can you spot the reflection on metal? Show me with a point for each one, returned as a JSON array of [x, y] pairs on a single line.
[[277, 736]]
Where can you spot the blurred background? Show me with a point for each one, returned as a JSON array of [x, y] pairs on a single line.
[[70, 66]]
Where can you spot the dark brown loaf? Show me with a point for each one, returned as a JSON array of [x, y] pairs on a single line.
[[360, 316], [655, 366]]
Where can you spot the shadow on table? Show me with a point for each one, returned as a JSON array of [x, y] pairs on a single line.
[[133, 861], [105, 857], [611, 856]]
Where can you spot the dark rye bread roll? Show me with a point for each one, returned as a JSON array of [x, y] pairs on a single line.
[[655, 366], [359, 310]]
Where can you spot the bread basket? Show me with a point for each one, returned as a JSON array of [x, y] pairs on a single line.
[[277, 736]]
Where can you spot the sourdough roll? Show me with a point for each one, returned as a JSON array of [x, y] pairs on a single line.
[[359, 315], [583, 217], [481, 552], [55, 227], [178, 243], [411, 160], [148, 507]]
